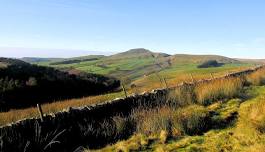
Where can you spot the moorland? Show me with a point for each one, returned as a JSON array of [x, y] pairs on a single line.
[[221, 113]]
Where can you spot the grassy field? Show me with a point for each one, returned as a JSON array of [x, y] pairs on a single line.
[[224, 115], [137, 63], [173, 77], [145, 69], [181, 122], [182, 73], [241, 128]]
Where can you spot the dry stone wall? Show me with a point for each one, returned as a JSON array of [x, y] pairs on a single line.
[[17, 135]]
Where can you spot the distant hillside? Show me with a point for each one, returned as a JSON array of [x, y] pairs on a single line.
[[181, 58], [23, 84], [137, 53], [78, 59], [134, 63], [255, 61], [36, 60]]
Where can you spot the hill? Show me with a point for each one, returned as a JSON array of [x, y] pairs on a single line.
[[23, 84], [138, 53], [255, 61], [78, 59], [182, 58], [135, 63], [37, 60]]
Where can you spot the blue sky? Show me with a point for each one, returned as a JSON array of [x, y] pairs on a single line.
[[64, 28]]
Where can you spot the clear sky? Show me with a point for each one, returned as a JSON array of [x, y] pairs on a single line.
[[63, 28]]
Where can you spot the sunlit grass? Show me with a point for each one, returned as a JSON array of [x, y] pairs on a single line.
[[257, 78], [218, 89], [243, 135], [14, 115], [146, 84]]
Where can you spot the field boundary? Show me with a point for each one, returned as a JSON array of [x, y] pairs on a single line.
[[117, 100], [71, 118]]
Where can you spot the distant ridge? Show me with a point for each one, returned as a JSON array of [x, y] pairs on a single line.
[[35, 59], [133, 63], [201, 58], [138, 52]]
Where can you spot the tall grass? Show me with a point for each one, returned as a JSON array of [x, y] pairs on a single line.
[[207, 93], [182, 96], [39, 141], [176, 122], [18, 114], [257, 78], [185, 114], [257, 116], [185, 95]]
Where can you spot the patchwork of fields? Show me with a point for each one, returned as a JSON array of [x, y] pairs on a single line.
[[173, 76], [191, 117]]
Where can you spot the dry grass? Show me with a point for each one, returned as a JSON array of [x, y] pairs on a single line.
[[15, 115], [176, 122], [182, 96], [151, 82], [207, 93], [257, 116], [147, 85], [244, 135], [257, 78], [160, 125]]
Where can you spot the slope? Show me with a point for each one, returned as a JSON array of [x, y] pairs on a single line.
[[23, 84], [136, 63]]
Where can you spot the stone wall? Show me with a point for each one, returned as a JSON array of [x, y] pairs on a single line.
[[16, 136]]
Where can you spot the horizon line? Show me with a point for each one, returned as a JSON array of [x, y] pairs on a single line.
[[105, 53]]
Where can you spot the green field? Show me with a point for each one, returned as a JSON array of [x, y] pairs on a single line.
[[224, 115], [133, 68], [141, 66]]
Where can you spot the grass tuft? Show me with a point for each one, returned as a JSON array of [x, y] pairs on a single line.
[[257, 78], [207, 93]]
